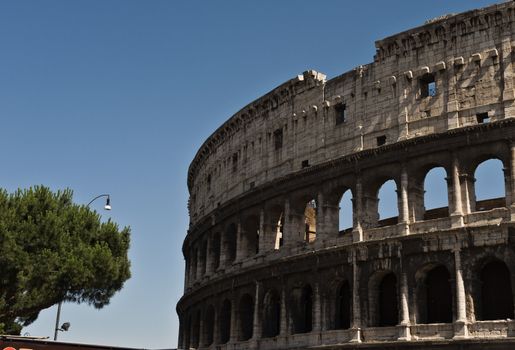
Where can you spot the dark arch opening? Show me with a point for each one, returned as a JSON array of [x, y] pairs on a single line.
[[230, 243], [246, 311], [388, 310], [343, 306], [496, 292], [225, 322], [251, 236], [203, 258], [272, 315], [438, 295], [195, 330], [208, 326], [303, 321], [215, 250]]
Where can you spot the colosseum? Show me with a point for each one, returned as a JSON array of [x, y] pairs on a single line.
[[268, 265]]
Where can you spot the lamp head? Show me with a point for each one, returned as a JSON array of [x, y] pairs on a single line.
[[108, 204]]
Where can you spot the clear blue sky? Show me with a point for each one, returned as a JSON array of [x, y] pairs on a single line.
[[117, 96]]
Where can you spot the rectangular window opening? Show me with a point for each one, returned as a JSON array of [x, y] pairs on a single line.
[[235, 162], [482, 118], [340, 113], [278, 139], [428, 86], [381, 140], [305, 164]]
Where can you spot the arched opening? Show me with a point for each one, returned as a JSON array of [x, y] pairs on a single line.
[[195, 330], [489, 187], [388, 203], [215, 250], [208, 326], [345, 215], [230, 243], [303, 313], [272, 315], [310, 221], [251, 236], [343, 306], [279, 241], [274, 227], [388, 310], [435, 297], [246, 312], [203, 258], [496, 292], [225, 322], [436, 197], [193, 265]]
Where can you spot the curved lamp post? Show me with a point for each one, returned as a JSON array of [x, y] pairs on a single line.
[[65, 326]]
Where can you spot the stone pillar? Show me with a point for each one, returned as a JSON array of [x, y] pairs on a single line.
[[292, 224], [460, 325], [241, 246], [317, 309], [356, 310], [404, 330], [264, 235], [201, 331], [284, 317], [452, 107], [216, 327], [256, 332], [508, 94], [404, 205], [186, 274], [457, 211], [209, 256], [510, 191], [322, 223], [357, 231], [200, 261], [468, 196]]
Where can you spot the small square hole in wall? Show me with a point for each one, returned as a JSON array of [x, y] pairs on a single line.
[[305, 164], [482, 118], [252, 184], [427, 85], [381, 140]]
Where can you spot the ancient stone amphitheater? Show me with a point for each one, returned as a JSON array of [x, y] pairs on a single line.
[[267, 265]]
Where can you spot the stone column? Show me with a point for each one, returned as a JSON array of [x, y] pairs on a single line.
[[457, 211], [404, 330], [317, 309], [186, 274], [264, 235], [201, 331], [404, 207], [241, 246], [511, 190], [357, 231], [468, 196], [508, 94], [216, 327], [256, 332], [356, 310], [460, 325], [209, 256], [284, 316]]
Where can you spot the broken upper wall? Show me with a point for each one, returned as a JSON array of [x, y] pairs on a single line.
[[449, 73]]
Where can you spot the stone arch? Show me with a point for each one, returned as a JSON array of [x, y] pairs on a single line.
[[343, 304], [250, 235], [225, 322], [372, 184], [195, 330], [338, 205], [271, 314], [208, 326], [302, 309], [436, 200], [496, 300], [246, 317], [383, 299], [303, 216], [486, 175], [202, 258], [215, 251], [387, 203], [434, 296], [230, 243]]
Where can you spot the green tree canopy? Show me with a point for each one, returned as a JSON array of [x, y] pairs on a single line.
[[53, 250]]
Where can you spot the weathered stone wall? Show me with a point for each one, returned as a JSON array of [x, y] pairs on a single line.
[[266, 264]]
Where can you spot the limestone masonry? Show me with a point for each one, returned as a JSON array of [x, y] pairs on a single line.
[[268, 265]]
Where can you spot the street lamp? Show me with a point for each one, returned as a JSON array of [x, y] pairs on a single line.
[[65, 326]]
